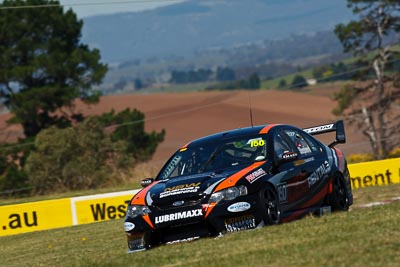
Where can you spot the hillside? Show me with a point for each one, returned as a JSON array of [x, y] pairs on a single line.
[[193, 26], [187, 116]]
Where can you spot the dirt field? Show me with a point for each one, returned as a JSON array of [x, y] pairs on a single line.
[[187, 116]]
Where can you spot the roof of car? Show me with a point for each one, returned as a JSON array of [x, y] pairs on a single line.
[[235, 132]]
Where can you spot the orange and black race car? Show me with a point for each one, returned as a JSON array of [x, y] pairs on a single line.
[[240, 179]]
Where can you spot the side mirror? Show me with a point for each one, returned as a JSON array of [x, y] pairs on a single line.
[[288, 157], [146, 182]]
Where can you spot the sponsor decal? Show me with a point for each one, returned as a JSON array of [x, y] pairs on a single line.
[[302, 161], [102, 211], [320, 172], [252, 177], [308, 159], [289, 155], [376, 178], [240, 223], [304, 150], [290, 133], [319, 128], [282, 192], [128, 226], [178, 216], [299, 162], [180, 189], [239, 206]]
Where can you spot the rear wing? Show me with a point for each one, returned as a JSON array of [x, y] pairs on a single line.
[[337, 127]]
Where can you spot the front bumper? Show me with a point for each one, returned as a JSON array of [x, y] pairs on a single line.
[[190, 223]]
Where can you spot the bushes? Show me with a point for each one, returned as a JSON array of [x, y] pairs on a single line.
[[253, 82], [357, 158], [13, 179], [299, 82], [86, 156], [77, 157]]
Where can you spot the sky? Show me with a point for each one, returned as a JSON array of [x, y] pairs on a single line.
[[86, 8]]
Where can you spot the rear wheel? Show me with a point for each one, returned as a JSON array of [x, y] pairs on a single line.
[[272, 209], [339, 199]]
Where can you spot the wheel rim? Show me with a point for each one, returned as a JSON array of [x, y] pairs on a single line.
[[340, 194], [273, 211]]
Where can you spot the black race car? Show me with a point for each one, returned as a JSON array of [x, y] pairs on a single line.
[[240, 179]]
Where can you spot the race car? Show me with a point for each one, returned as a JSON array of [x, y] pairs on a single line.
[[240, 179]]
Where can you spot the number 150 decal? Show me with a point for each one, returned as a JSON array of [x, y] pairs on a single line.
[[256, 142]]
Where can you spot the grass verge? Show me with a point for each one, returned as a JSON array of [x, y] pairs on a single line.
[[361, 237]]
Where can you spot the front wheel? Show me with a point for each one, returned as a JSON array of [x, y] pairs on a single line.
[[272, 209]]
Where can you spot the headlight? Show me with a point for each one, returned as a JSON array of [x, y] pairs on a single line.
[[137, 210], [228, 194]]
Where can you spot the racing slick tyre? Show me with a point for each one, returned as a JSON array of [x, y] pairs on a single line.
[[339, 199], [271, 207]]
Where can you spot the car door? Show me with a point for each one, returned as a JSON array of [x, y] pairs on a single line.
[[289, 179], [309, 167]]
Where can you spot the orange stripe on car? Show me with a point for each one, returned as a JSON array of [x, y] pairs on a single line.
[[184, 148], [209, 209], [148, 221], [140, 197], [233, 179], [267, 128]]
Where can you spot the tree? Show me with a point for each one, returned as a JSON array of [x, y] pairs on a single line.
[[138, 84], [253, 82], [225, 74], [299, 82], [192, 76], [282, 83], [43, 65], [78, 157], [372, 105], [128, 126]]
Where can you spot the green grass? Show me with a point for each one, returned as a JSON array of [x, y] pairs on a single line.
[[274, 83], [361, 237]]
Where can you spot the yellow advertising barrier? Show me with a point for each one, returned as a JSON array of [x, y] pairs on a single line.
[[381, 172], [96, 208], [43, 215], [35, 216], [49, 214]]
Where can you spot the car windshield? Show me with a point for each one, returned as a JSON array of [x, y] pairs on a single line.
[[215, 156]]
